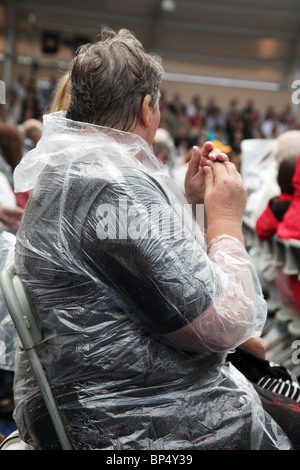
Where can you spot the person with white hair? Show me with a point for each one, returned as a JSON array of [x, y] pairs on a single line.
[[164, 148], [32, 130]]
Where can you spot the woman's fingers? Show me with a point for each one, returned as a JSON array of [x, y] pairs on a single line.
[[194, 163], [210, 154], [217, 155], [224, 169], [207, 148], [219, 170]]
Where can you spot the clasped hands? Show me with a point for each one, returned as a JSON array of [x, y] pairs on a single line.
[[213, 180]]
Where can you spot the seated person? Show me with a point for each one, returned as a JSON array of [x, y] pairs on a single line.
[[288, 229], [138, 306], [267, 222], [276, 281], [289, 226]]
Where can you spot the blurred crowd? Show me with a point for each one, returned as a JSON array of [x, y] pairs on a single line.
[[192, 123], [182, 126], [189, 123], [26, 99]]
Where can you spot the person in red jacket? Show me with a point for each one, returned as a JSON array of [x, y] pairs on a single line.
[[267, 222], [289, 228]]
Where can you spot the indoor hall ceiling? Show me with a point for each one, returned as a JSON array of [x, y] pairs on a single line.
[[258, 35]]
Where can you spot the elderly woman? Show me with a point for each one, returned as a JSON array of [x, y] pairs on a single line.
[[137, 304]]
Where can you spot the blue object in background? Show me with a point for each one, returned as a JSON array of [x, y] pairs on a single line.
[[7, 426]]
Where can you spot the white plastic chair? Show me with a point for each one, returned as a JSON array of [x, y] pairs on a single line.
[[29, 333]]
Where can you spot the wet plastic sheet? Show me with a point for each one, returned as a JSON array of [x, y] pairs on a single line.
[[137, 314]]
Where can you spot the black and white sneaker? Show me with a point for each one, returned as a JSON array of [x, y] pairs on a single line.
[[287, 388]]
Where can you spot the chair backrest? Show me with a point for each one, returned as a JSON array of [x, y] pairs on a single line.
[[294, 248], [279, 251], [249, 232], [30, 334], [287, 255]]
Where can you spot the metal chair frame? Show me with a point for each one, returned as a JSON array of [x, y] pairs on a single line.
[[30, 334]]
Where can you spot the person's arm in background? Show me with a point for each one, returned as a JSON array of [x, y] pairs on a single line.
[[11, 216]]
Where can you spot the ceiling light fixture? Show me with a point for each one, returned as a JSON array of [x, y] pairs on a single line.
[[219, 81], [168, 5]]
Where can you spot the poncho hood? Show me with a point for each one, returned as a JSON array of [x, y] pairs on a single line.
[[75, 138]]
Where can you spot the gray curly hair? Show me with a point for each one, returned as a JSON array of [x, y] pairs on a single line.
[[110, 78]]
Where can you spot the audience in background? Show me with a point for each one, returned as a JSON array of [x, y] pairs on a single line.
[[32, 131], [189, 123]]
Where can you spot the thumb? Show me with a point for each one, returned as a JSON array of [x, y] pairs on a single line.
[[194, 163]]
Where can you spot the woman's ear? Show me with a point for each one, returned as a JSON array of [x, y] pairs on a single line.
[[144, 115]]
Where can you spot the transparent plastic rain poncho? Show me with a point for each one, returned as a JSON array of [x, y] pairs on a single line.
[[137, 316]]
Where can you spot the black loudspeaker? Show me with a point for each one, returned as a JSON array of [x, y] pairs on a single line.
[[79, 41], [50, 43]]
